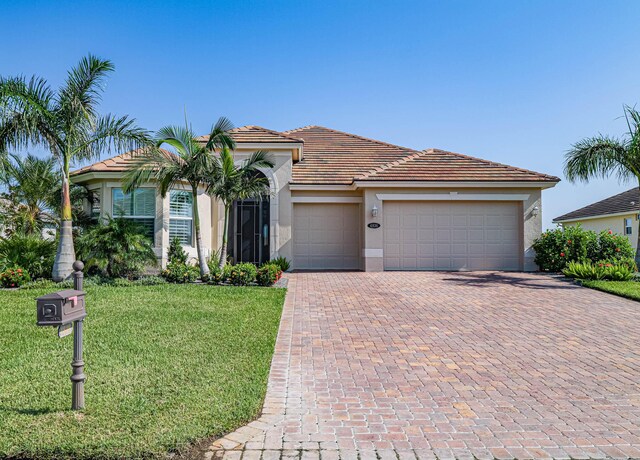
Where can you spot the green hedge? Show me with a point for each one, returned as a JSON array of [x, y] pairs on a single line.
[[556, 248]]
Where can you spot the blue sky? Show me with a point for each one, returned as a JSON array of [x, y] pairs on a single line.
[[510, 81]]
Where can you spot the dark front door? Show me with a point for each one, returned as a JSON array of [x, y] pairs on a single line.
[[249, 231]]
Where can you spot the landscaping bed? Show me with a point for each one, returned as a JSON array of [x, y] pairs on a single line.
[[167, 365]]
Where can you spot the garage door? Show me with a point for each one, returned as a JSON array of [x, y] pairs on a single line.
[[326, 236], [422, 235]]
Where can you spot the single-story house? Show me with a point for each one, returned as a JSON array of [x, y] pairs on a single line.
[[618, 213], [344, 202]]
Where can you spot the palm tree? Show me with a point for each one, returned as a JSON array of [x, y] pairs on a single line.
[[601, 156], [192, 161], [67, 123], [31, 184], [233, 182]]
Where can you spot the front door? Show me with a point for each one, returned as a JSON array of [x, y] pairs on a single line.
[[249, 231]]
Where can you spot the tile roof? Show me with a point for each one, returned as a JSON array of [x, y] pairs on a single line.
[[256, 134], [334, 157], [628, 201], [441, 165]]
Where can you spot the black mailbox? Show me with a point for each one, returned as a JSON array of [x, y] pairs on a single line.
[[60, 308]]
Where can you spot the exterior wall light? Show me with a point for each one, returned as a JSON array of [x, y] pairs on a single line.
[[535, 211], [374, 211]]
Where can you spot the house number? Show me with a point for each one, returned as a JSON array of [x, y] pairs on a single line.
[[374, 225]]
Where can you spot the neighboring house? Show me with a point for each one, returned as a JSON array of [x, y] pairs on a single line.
[[341, 201], [617, 213]]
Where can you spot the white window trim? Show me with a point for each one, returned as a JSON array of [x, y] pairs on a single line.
[[193, 230]]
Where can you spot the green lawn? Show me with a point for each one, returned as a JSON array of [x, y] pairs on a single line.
[[166, 365], [628, 289]]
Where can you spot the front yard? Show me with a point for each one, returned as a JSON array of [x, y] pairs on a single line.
[[628, 289], [166, 366]]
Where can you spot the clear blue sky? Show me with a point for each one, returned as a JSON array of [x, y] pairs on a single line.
[[510, 81]]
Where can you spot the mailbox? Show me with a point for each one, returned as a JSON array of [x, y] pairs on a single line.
[[60, 308]]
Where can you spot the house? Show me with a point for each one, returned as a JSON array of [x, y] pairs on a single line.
[[344, 202], [617, 213]]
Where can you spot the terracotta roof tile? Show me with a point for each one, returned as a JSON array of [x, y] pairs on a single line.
[[256, 134], [336, 157], [441, 165], [628, 201]]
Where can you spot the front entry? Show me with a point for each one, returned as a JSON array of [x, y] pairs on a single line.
[[249, 231]]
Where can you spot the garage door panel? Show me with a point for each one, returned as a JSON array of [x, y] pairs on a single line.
[[452, 236], [326, 236]]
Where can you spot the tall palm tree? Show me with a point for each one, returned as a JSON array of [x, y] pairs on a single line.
[[67, 123], [233, 182], [602, 156], [192, 161]]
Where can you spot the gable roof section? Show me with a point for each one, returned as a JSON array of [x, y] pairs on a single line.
[[628, 201], [334, 157], [441, 165], [257, 134]]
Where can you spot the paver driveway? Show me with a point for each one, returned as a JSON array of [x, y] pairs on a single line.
[[399, 365]]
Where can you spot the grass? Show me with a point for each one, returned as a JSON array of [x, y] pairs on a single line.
[[628, 289], [166, 366]]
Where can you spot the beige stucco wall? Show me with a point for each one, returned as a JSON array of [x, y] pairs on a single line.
[[613, 223]]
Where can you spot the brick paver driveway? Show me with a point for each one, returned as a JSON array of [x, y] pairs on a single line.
[[485, 365]]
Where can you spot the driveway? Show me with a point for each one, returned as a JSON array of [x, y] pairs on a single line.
[[448, 365]]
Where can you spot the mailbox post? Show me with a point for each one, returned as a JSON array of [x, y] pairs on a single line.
[[78, 377], [62, 309]]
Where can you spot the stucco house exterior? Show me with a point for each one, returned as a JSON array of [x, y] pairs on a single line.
[[344, 202], [618, 213]]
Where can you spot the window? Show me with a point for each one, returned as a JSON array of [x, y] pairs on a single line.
[[628, 226], [181, 216], [139, 206]]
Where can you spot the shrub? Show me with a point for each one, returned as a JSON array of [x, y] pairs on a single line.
[[268, 274], [177, 254], [556, 248], [14, 277], [180, 273], [118, 247], [216, 274], [30, 252], [281, 262], [120, 282], [242, 274], [150, 281], [602, 270]]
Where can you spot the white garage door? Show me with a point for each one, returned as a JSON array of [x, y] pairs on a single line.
[[326, 236], [422, 235]]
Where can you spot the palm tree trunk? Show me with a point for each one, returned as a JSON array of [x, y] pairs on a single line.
[[225, 236], [202, 259], [66, 254]]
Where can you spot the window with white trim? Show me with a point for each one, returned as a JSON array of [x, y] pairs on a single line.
[[139, 206], [181, 216], [628, 226]]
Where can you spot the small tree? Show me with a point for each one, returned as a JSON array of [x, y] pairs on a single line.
[[602, 156], [230, 182], [177, 254], [191, 161], [66, 123]]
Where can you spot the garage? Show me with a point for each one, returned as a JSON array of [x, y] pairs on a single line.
[[326, 236], [449, 235]]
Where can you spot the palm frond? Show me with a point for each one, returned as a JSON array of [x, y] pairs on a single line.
[[83, 88], [258, 159], [219, 137], [112, 134], [600, 156]]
